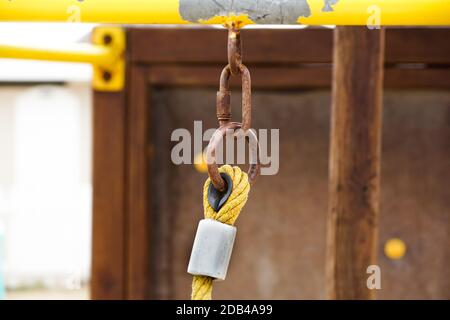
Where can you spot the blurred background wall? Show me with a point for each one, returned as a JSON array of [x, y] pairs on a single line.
[[45, 167]]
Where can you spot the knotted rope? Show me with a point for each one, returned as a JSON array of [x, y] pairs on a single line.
[[202, 285]]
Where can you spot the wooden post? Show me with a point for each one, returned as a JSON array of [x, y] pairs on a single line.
[[354, 161], [137, 218], [108, 240]]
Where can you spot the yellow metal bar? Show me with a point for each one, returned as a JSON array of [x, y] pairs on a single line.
[[312, 12], [87, 53], [106, 55]]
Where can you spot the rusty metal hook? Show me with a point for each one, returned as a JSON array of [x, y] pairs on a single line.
[[217, 138], [234, 50]]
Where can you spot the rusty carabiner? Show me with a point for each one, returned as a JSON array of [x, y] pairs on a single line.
[[223, 109], [223, 104], [217, 138]]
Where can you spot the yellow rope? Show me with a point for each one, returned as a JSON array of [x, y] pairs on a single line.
[[202, 285]]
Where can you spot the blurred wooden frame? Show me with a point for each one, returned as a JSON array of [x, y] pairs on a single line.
[[194, 56]]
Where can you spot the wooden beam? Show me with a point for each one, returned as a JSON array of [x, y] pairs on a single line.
[[420, 45], [279, 46], [137, 219], [108, 241], [294, 77], [354, 160], [428, 78], [262, 77], [259, 45]]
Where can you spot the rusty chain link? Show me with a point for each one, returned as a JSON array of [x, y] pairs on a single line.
[[223, 108]]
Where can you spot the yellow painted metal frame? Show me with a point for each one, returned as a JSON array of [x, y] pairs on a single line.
[[111, 76], [106, 57], [106, 54], [344, 12]]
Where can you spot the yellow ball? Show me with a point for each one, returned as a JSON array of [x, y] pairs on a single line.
[[395, 248], [200, 163]]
